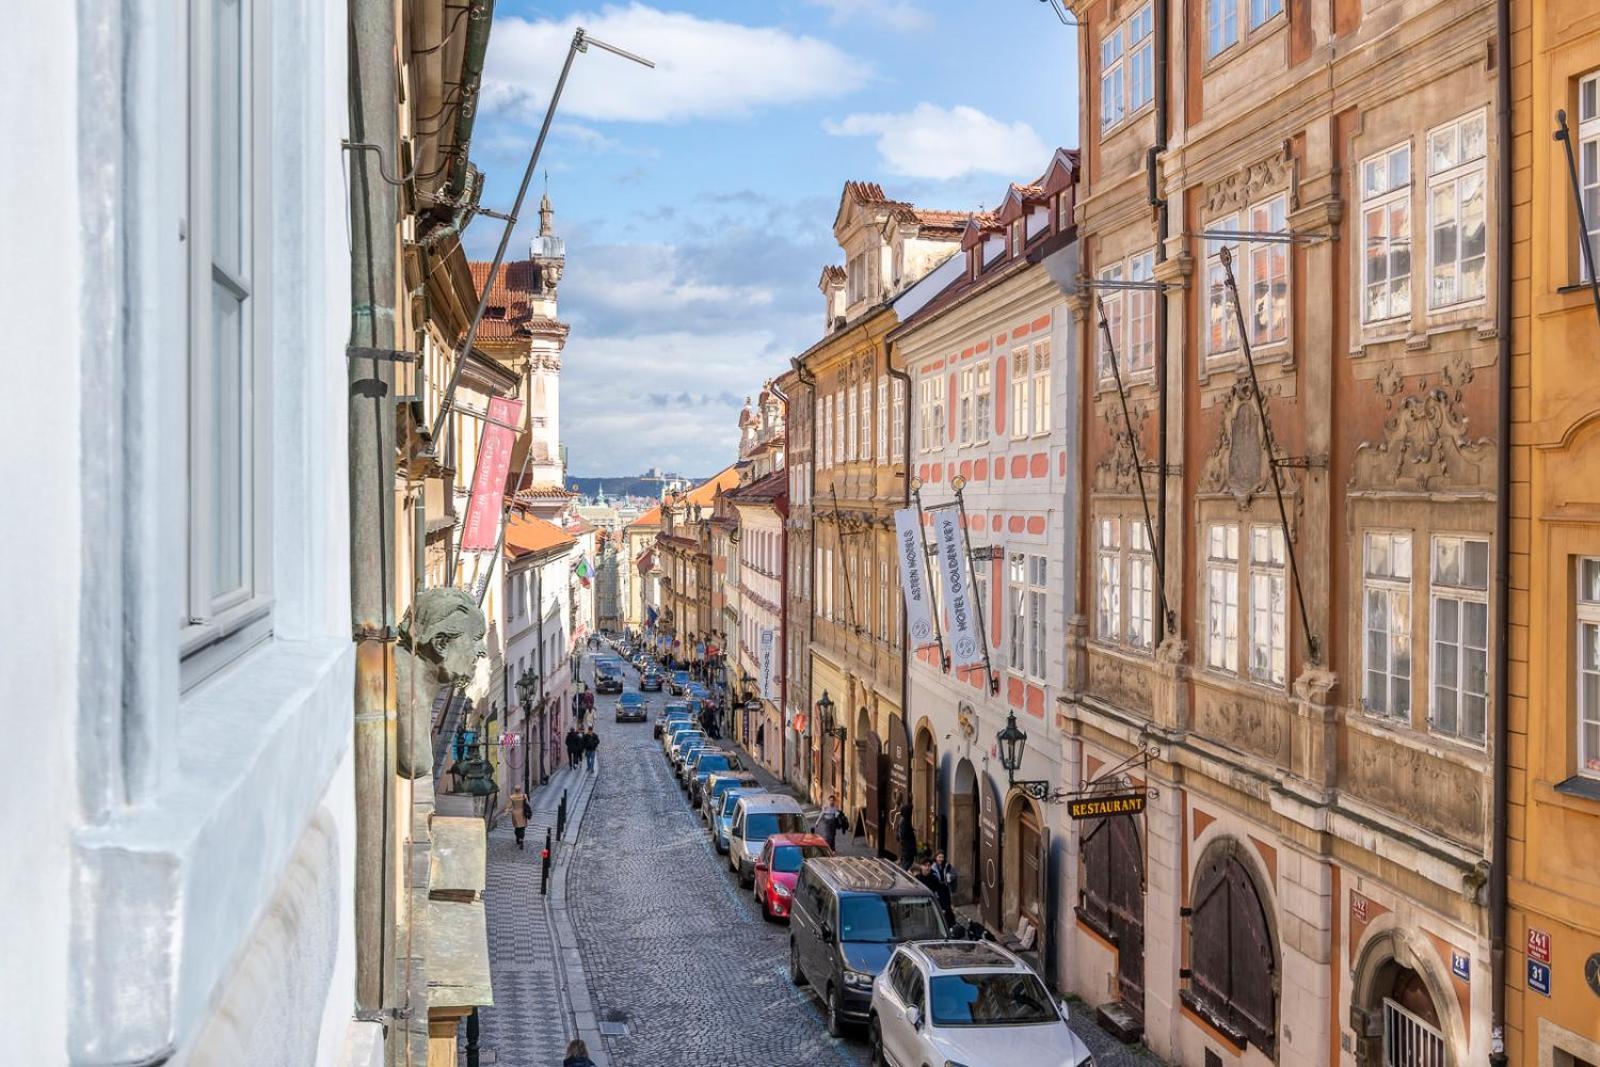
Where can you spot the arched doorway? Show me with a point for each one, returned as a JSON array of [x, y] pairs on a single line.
[[964, 831], [1111, 899], [1026, 867], [925, 785], [868, 803], [1402, 1005], [1232, 952]]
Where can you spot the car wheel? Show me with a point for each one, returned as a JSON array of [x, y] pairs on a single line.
[[796, 975], [835, 1014], [766, 909], [875, 1044]]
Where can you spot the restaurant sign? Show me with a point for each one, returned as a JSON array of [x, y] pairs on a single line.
[[1101, 806]]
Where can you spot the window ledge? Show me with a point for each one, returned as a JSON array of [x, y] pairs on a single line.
[[171, 889], [1580, 785]]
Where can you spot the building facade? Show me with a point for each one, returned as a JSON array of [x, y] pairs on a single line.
[[991, 362], [1309, 700], [540, 561], [799, 431], [760, 555], [1553, 756]]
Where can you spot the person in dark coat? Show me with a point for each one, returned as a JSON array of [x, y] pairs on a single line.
[[829, 820], [591, 745], [944, 884], [574, 747], [905, 835], [577, 1054]]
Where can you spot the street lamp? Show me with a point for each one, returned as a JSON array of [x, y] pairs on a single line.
[[526, 685], [825, 717], [1011, 741]]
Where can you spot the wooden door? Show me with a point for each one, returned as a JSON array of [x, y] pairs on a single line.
[[1126, 906], [869, 752], [990, 900]]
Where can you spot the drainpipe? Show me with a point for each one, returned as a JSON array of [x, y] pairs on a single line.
[[479, 20], [904, 377], [374, 283], [1152, 167], [1502, 534], [809, 380]]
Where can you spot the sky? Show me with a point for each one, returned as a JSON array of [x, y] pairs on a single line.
[[697, 199]]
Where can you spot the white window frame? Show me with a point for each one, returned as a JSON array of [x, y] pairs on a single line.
[[1269, 214], [897, 443], [1016, 612], [1269, 605], [1110, 300], [1141, 587], [1040, 377], [1586, 698], [849, 424], [1127, 68], [936, 414], [1108, 580], [982, 402], [1454, 177], [1222, 596], [883, 600], [840, 456], [219, 624], [1038, 615], [883, 419], [1463, 596], [1588, 152], [1381, 196], [1393, 586], [1125, 309], [964, 402], [1020, 410], [1240, 20], [864, 410], [1219, 309]]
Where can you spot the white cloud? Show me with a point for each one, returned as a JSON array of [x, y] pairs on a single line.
[[704, 67], [896, 14], [942, 143]]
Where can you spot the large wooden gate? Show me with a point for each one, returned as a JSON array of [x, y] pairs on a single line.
[[1113, 900], [869, 764]]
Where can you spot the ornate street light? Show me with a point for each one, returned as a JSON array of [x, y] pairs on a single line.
[[825, 717], [526, 685], [1011, 741]]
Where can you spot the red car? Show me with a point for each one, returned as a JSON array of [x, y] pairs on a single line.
[[779, 868]]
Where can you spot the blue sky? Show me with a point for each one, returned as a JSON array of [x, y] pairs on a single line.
[[697, 199]]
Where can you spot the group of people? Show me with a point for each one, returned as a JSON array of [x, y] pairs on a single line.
[[582, 744], [929, 867]]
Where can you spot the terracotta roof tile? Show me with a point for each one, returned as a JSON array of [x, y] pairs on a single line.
[[526, 534], [649, 518], [762, 489], [508, 313]]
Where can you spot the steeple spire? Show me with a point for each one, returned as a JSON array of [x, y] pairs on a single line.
[[547, 213]]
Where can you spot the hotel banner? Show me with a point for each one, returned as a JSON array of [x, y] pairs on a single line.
[[481, 530], [913, 558], [767, 642], [960, 617]]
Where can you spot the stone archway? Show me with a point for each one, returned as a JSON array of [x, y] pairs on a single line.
[[1026, 863], [925, 785], [964, 831], [1402, 1005]]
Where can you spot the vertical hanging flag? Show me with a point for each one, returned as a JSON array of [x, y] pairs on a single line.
[[481, 530], [965, 651], [914, 576], [766, 644]]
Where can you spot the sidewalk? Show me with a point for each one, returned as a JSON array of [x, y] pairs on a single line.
[[541, 994]]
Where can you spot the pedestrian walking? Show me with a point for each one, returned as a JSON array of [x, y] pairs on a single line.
[[905, 835], [944, 876], [591, 744], [577, 1054], [521, 811], [829, 820], [574, 747]]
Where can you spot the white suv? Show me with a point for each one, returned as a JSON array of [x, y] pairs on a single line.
[[967, 1004]]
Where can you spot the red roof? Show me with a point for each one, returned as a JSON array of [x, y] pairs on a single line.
[[508, 314], [762, 490], [527, 534], [649, 518]]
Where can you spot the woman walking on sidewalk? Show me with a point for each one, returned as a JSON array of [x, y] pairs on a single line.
[[520, 810], [577, 1054]]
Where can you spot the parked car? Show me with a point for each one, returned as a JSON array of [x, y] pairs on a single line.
[[755, 820], [672, 715], [683, 757], [686, 764], [724, 820], [847, 915], [681, 743], [678, 682], [630, 707], [778, 868], [649, 680], [718, 783], [672, 731], [706, 764], [969, 1002], [697, 691]]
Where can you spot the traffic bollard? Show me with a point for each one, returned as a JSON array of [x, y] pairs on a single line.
[[561, 816], [544, 871]]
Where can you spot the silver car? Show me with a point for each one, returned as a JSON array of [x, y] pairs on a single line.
[[754, 820]]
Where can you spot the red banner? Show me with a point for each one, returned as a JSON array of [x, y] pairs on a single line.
[[481, 531]]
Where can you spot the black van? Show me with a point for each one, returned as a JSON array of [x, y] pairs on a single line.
[[847, 915]]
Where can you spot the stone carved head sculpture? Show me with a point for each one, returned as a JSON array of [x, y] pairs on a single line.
[[441, 644]]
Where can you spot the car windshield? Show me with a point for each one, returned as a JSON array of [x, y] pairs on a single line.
[[730, 800], [707, 764], [632, 698], [763, 824], [1010, 999], [681, 676], [884, 920], [787, 860]]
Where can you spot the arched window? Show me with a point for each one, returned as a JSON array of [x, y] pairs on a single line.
[[1231, 960]]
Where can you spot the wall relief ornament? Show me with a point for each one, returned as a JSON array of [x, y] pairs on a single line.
[[1240, 464], [1425, 444], [1117, 471], [441, 645], [1237, 191]]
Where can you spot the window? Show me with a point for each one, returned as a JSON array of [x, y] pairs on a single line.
[[1109, 334], [883, 419], [937, 423], [897, 447], [849, 424], [980, 592], [1269, 274], [1127, 68], [824, 433], [1269, 654], [982, 402], [1221, 323], [1141, 586], [839, 453], [1588, 680], [1018, 240], [883, 600], [1019, 392], [1041, 387], [1222, 25], [1222, 596], [1108, 580], [864, 407], [1589, 165], [1262, 10], [1386, 234], [1387, 566], [931, 404], [964, 407], [1017, 612], [1132, 333], [227, 473], [1457, 223], [1038, 585], [1460, 613]]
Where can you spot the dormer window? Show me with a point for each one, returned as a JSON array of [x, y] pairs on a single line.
[[1018, 239], [974, 261], [494, 311]]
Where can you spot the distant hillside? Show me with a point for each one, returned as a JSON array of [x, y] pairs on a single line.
[[617, 487]]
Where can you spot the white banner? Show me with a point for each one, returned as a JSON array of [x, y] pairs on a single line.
[[766, 643], [914, 577], [962, 636]]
